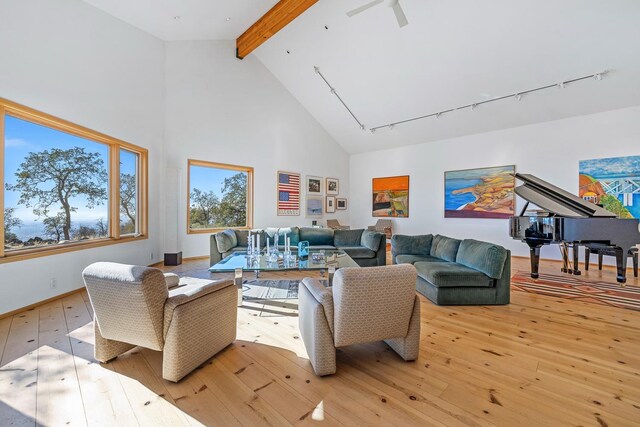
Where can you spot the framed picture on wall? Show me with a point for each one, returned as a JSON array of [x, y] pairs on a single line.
[[314, 185], [288, 193], [332, 187], [390, 196], [341, 204], [480, 193], [315, 206], [331, 204]]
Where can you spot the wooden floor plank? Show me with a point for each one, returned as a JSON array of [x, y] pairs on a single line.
[[105, 401], [58, 391], [19, 371], [5, 326], [192, 396]]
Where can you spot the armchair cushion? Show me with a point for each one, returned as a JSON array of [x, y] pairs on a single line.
[[347, 237], [189, 290], [226, 240], [372, 304], [172, 280], [371, 240], [323, 295], [483, 256], [128, 302]]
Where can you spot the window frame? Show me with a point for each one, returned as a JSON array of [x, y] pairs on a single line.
[[114, 145], [203, 163]]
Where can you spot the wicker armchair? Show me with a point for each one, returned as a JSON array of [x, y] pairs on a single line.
[[364, 305], [382, 226], [133, 306], [334, 224]]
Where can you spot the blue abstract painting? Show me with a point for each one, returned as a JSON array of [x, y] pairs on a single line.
[[612, 182]]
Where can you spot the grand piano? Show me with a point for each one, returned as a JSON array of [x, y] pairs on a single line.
[[568, 220]]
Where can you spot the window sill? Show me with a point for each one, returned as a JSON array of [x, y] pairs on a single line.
[[24, 254]]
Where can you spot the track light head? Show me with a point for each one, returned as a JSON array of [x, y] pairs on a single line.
[[561, 85], [373, 131], [317, 70], [518, 97], [598, 76], [333, 91], [474, 106], [362, 127]]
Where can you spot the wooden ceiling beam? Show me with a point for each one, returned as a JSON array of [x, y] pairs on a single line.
[[278, 17]]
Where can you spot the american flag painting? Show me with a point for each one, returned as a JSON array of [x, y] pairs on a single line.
[[288, 193]]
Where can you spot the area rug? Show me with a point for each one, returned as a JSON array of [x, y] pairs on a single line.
[[258, 289], [578, 289]]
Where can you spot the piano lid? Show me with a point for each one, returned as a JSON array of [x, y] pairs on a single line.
[[556, 200]]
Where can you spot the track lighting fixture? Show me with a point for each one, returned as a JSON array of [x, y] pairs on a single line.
[[517, 96]]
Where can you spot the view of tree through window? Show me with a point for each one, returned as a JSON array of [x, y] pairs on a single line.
[[56, 186], [60, 185], [219, 196], [128, 192]]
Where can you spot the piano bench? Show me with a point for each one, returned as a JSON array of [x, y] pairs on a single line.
[[609, 251]]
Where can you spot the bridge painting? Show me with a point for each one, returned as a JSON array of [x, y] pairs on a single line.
[[613, 182]]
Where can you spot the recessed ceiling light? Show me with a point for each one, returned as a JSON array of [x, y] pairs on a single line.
[[228, 18], [177, 17]]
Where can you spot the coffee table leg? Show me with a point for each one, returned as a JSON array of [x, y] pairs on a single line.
[[238, 281]]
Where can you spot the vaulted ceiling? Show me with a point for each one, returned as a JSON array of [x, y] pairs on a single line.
[[452, 53]]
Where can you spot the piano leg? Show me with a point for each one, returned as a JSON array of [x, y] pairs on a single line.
[[565, 258], [535, 259], [621, 265], [587, 255], [576, 259]]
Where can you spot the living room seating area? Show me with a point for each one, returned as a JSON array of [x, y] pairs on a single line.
[[367, 248]]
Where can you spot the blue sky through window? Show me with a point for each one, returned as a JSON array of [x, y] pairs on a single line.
[[23, 137], [209, 178]]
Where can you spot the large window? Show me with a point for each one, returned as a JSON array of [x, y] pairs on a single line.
[[220, 196], [65, 187]]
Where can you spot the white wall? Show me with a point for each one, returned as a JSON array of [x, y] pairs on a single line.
[[224, 110], [548, 150], [70, 60]]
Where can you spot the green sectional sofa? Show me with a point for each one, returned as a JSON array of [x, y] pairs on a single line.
[[456, 272], [367, 248]]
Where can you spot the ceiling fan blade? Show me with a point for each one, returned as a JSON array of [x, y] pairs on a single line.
[[357, 10], [402, 19]]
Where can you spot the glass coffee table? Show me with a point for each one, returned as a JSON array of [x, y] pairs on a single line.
[[325, 261]]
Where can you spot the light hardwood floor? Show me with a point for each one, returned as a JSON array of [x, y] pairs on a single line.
[[538, 361]]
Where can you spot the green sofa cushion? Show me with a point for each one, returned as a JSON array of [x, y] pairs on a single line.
[[413, 245], [451, 275], [411, 259], [293, 233], [317, 236], [347, 237], [242, 237], [445, 247], [371, 240], [226, 240], [358, 252], [483, 256]]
